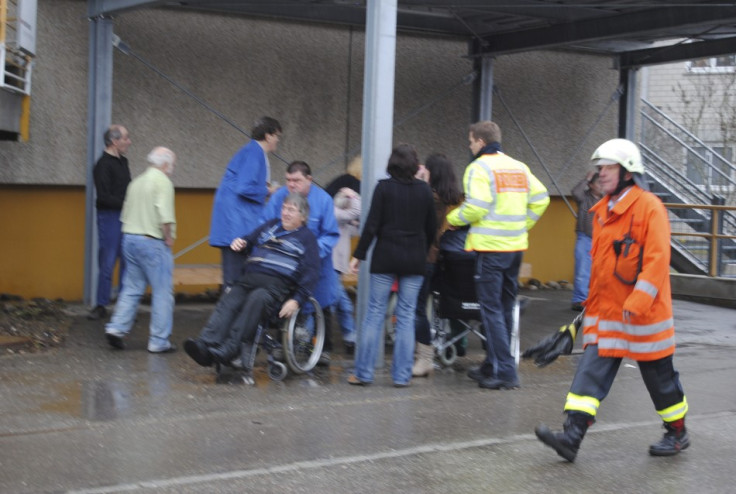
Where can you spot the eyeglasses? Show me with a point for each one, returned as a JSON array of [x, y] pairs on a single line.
[[290, 209]]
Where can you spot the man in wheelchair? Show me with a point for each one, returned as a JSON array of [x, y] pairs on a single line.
[[282, 263]]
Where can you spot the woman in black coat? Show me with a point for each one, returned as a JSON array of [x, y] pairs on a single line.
[[402, 221]]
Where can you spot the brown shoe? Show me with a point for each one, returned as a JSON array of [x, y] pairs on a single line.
[[353, 379]]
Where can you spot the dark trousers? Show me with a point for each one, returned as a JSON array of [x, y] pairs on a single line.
[[110, 248], [232, 266], [240, 310], [595, 374], [421, 322], [496, 275]]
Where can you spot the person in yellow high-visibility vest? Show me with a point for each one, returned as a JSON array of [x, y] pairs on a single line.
[[503, 200]]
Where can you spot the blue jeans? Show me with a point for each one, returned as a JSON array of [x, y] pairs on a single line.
[[149, 263], [345, 313], [496, 283], [583, 244], [372, 327], [109, 245]]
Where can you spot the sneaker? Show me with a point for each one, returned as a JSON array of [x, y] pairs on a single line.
[[169, 349], [115, 340], [99, 312]]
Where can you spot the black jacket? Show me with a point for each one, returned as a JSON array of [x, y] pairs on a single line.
[[402, 219], [112, 177]]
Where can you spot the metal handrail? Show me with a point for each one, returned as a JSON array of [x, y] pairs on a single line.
[[691, 137], [713, 236], [191, 247]]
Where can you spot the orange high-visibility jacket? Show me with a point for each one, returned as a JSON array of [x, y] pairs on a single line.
[[650, 332]]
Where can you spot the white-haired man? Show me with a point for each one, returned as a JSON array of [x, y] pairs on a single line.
[[149, 230]]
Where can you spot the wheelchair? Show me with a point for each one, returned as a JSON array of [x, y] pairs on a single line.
[[293, 344], [453, 298]]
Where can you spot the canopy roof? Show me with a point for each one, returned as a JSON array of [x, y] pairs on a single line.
[[638, 32]]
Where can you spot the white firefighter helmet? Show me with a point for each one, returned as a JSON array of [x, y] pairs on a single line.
[[621, 151], [626, 154]]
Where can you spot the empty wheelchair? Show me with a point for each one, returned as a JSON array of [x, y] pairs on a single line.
[[453, 300]]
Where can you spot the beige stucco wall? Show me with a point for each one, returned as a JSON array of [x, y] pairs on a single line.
[[309, 76]]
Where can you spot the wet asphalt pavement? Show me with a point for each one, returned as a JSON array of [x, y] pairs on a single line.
[[85, 418]]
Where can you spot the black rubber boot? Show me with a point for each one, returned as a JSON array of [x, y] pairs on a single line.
[[566, 443], [675, 440]]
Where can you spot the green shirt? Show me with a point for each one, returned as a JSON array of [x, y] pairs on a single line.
[[149, 203]]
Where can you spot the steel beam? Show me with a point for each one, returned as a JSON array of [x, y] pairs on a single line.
[[378, 117], [96, 8], [99, 113], [678, 52], [657, 23]]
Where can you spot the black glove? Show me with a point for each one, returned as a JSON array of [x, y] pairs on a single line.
[[546, 351]]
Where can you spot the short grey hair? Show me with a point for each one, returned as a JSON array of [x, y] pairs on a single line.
[[113, 133], [160, 157], [300, 202]]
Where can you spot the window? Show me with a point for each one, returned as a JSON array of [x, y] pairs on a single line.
[[724, 64]]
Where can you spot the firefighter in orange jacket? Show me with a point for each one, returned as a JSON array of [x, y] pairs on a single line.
[[628, 312]]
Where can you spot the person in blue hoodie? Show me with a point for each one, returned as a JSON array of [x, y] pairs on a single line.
[[281, 267], [242, 194]]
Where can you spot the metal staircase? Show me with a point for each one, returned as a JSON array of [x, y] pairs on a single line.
[[682, 169]]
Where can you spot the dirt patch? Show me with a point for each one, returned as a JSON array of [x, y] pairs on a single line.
[[29, 326]]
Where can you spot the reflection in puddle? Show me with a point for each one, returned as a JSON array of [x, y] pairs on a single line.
[[103, 400]]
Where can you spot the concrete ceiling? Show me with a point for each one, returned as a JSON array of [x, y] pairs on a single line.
[[637, 32]]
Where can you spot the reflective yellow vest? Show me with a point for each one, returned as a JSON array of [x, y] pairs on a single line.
[[503, 200]]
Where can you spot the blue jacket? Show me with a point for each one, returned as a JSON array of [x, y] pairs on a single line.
[[240, 198], [286, 254], [323, 225]]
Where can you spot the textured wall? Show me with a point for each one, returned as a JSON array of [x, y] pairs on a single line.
[[309, 76]]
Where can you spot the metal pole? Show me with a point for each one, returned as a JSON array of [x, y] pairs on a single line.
[[627, 104], [98, 119], [378, 116], [485, 100]]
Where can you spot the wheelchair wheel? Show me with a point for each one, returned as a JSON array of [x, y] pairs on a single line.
[[304, 337], [447, 356], [277, 371]]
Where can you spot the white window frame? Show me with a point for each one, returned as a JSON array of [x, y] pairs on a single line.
[[712, 65]]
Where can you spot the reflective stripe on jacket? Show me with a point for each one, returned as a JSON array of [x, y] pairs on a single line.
[[503, 200], [637, 280]]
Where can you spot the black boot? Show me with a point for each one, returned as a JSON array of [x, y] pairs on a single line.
[[675, 440], [568, 442]]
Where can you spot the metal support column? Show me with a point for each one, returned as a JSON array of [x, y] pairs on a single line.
[[98, 120], [378, 116], [485, 89], [482, 87], [627, 104]]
